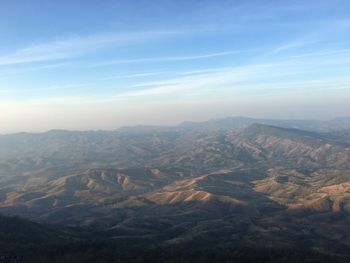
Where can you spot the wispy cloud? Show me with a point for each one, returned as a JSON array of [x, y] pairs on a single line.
[[327, 52], [254, 78], [77, 45], [15, 71], [169, 58], [258, 78], [135, 75]]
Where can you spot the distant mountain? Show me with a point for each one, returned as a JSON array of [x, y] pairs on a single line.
[[242, 122]]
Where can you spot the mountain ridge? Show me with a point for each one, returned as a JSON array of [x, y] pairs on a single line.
[[233, 122]]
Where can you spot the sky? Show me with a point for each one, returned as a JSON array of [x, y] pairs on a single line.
[[87, 64]]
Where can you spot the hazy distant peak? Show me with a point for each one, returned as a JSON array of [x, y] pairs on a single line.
[[256, 129]]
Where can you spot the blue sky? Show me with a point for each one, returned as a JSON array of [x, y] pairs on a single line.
[[104, 64]]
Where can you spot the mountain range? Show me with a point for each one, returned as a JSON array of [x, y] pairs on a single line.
[[234, 182]]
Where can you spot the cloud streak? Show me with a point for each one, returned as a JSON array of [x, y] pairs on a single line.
[[169, 58], [78, 45], [289, 74]]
